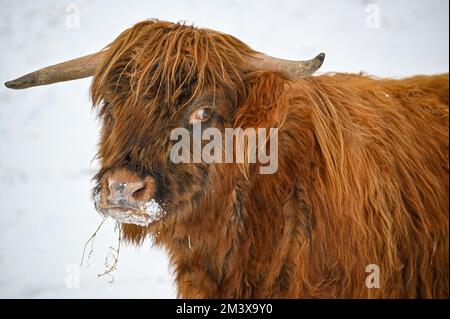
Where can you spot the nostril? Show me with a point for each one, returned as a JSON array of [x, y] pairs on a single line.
[[143, 190], [127, 189], [132, 187], [139, 192], [121, 192]]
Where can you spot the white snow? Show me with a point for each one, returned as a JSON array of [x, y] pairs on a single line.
[[149, 213], [48, 135], [142, 214]]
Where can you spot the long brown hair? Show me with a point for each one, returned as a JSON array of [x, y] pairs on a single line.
[[362, 177]]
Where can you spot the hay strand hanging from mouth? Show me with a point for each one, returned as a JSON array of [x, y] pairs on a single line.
[[91, 241]]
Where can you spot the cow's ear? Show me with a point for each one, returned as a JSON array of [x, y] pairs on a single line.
[[266, 101]]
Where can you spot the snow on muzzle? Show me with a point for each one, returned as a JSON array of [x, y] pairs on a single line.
[[128, 199], [143, 215]]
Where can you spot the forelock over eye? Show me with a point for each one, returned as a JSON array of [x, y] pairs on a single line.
[[201, 115]]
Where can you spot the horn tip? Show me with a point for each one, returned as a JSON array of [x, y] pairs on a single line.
[[10, 84], [16, 84], [320, 57], [23, 82]]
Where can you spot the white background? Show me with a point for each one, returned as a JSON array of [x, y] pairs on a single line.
[[48, 135]]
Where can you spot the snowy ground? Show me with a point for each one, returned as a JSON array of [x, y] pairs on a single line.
[[48, 135]]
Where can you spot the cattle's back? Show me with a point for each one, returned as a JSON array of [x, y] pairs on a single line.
[[379, 194]]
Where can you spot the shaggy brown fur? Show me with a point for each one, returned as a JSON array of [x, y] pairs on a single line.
[[362, 176]]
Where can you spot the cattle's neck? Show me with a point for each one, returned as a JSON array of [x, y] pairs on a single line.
[[221, 248]]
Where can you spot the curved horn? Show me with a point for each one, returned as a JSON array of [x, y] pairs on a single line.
[[86, 66], [294, 69], [65, 71]]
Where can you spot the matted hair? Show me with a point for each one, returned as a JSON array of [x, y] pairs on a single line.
[[173, 62]]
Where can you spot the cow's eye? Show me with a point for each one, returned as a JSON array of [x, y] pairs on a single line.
[[201, 115]]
